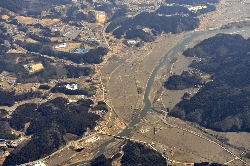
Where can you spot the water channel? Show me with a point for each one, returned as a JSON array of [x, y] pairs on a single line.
[[168, 57]]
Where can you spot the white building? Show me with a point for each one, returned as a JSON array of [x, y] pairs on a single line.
[[92, 139], [196, 8], [72, 86], [131, 42], [61, 45]]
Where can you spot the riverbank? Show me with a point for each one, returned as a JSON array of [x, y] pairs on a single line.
[[163, 99], [168, 99], [125, 74], [159, 48]]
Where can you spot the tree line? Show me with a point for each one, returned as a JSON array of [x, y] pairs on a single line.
[[183, 81]]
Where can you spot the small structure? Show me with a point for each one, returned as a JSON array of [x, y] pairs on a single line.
[[55, 29], [72, 86], [79, 50], [72, 101], [33, 67], [196, 8], [100, 16], [92, 139], [39, 163], [64, 45], [152, 144], [13, 144], [131, 42]]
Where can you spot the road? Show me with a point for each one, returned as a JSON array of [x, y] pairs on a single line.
[[104, 34], [209, 140]]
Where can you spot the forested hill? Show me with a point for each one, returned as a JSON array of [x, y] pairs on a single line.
[[19, 5], [168, 10], [133, 154], [51, 125], [222, 104], [157, 24], [175, 18]]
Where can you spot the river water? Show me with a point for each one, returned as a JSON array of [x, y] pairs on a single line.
[[168, 57]]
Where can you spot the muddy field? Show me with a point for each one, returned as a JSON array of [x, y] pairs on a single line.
[[31, 20], [183, 142], [124, 73]]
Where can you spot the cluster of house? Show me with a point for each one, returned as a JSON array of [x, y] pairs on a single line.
[[196, 8], [130, 43], [145, 5], [56, 26], [99, 112], [92, 139], [10, 144], [11, 82], [71, 86], [12, 29]]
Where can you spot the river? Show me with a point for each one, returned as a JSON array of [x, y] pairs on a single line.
[[165, 60]]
